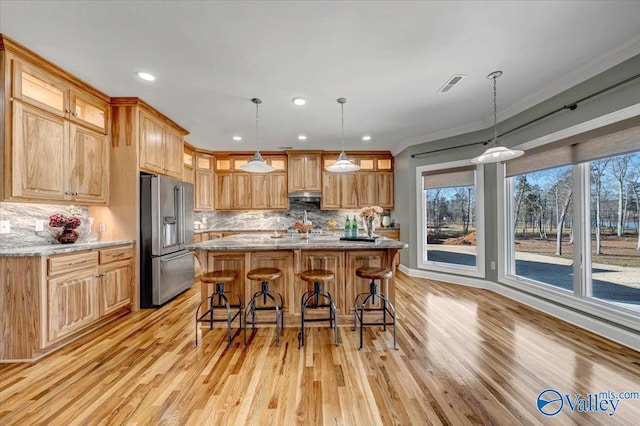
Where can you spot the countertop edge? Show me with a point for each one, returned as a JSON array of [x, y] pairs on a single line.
[[48, 250]]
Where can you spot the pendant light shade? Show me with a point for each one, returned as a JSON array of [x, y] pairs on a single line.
[[342, 165], [496, 153], [257, 164]]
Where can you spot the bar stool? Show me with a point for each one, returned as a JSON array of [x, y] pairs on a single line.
[[264, 275], [219, 278], [387, 308], [318, 277]]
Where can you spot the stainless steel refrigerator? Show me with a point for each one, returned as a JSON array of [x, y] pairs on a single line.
[[166, 226]]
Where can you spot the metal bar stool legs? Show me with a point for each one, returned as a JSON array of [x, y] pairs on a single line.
[[219, 278], [265, 275], [360, 307], [317, 276]]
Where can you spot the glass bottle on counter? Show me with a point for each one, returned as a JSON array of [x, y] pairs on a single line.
[[347, 228], [354, 228]]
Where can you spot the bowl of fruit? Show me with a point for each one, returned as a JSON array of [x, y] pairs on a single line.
[[304, 228]]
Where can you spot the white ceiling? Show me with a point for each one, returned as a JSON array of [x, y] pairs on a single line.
[[387, 58]]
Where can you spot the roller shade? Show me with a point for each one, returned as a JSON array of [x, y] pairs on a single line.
[[452, 178], [607, 141]]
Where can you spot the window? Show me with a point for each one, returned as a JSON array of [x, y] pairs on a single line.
[[542, 217], [450, 219], [615, 239], [572, 209]]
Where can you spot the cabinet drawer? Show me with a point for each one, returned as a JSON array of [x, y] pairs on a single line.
[[72, 262], [115, 253]]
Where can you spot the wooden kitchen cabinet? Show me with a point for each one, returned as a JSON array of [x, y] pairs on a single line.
[[115, 286], [48, 301], [72, 303], [55, 160], [375, 188], [85, 286], [58, 125], [34, 86], [269, 191], [204, 182], [161, 147], [236, 189], [241, 189], [223, 191], [371, 185], [339, 191], [89, 168], [384, 190], [188, 160], [305, 171]]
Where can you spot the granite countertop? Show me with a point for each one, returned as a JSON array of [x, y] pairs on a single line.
[[265, 242], [49, 249], [199, 231]]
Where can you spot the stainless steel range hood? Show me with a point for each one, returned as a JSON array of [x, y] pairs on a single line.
[[305, 196]]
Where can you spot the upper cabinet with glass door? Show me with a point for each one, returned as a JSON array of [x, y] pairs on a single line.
[[34, 86]]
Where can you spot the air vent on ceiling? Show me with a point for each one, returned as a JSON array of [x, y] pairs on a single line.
[[451, 83], [285, 147]]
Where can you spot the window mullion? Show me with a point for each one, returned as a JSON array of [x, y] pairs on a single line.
[[582, 232]]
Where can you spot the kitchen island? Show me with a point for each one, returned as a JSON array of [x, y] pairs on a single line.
[[293, 255]]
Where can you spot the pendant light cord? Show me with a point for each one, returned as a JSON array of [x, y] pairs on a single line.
[[257, 127], [342, 114], [495, 112]]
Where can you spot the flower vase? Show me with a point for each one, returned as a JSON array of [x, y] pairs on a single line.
[[369, 225], [67, 236]]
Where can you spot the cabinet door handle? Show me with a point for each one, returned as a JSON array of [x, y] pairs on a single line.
[[75, 114]]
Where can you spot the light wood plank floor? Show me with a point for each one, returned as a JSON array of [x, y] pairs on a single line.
[[465, 356]]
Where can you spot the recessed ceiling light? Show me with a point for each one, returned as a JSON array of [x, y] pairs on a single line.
[[145, 76], [298, 101], [302, 138], [366, 138], [237, 138]]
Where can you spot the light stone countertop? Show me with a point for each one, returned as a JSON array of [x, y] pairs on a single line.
[[200, 231], [265, 242], [50, 249]]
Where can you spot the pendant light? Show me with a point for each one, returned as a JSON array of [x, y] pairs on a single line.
[[343, 165], [257, 164], [496, 152]]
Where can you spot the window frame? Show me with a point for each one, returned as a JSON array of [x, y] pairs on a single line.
[[580, 299], [479, 270]]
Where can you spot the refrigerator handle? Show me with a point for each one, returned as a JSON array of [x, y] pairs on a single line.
[[181, 207]]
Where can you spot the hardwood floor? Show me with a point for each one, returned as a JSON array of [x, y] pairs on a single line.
[[466, 356]]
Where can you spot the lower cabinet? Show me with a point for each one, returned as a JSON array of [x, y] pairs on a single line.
[[73, 303], [86, 286], [114, 288]]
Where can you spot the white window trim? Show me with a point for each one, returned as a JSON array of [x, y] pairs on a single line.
[[479, 269], [612, 312]]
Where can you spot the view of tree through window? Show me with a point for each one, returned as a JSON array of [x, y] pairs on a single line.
[[450, 199], [542, 226], [615, 224]]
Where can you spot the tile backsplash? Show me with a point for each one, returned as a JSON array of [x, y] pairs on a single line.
[[22, 217], [269, 219]]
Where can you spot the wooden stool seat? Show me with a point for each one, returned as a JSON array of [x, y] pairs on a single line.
[[219, 277], [264, 274], [373, 273], [317, 275]]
